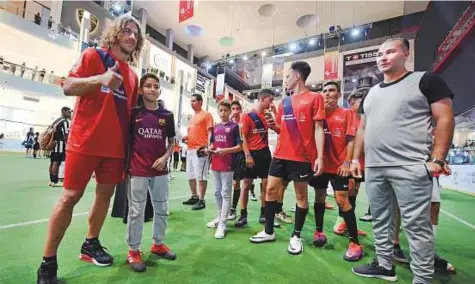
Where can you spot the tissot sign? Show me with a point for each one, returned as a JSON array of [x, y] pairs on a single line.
[[360, 57]]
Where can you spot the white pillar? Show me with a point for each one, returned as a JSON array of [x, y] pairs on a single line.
[[56, 10], [170, 38], [84, 32], [190, 54]]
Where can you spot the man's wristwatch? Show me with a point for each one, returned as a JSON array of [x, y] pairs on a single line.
[[441, 163]]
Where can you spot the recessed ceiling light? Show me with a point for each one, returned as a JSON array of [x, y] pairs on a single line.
[[267, 10], [307, 21], [193, 30]]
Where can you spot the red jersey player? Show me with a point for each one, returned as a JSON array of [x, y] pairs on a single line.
[[106, 88], [340, 129], [299, 122]]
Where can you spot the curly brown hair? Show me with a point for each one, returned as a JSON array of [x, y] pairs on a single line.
[[113, 34]]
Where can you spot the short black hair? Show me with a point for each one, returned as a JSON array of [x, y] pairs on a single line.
[[332, 83], [302, 68], [264, 93], [65, 109], [198, 97], [225, 103], [405, 43], [148, 76], [237, 103]]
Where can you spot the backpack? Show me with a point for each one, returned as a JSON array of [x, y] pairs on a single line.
[[46, 139]]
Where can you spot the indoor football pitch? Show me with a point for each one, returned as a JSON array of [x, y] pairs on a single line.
[[26, 202]]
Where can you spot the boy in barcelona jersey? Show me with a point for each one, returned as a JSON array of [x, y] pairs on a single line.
[[225, 144], [153, 127]]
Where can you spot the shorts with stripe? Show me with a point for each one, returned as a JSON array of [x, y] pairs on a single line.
[[197, 167]]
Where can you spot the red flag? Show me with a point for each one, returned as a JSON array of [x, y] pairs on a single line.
[[330, 65], [186, 10]]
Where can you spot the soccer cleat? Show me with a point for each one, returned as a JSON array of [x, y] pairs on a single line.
[[398, 254], [366, 218], [373, 270], [319, 239], [232, 215], [354, 252], [283, 217], [47, 275], [340, 229], [95, 253], [295, 245], [241, 222], [252, 196], [262, 237], [134, 259], [191, 201], [200, 205], [220, 231], [329, 206], [443, 265], [163, 251]]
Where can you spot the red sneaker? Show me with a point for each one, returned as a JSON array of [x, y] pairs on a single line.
[[354, 252], [134, 259], [163, 251]]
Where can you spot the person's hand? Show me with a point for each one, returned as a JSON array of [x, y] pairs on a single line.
[[270, 120], [160, 163], [111, 78], [344, 169], [318, 167], [447, 170], [219, 152], [250, 161], [434, 169], [355, 169]]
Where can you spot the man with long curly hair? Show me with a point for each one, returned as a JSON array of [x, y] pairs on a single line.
[[106, 90]]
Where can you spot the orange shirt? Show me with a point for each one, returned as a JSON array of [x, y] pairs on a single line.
[[358, 122], [198, 128], [308, 108], [256, 138], [101, 119], [338, 126]]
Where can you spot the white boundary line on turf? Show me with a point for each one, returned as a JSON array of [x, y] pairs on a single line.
[[74, 215], [458, 219]]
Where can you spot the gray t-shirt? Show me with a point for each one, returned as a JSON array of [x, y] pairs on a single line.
[[398, 119]]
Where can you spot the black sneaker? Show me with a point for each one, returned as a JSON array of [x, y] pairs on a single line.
[[191, 201], [443, 265], [47, 275], [94, 252], [398, 254], [200, 205], [373, 270], [241, 222]]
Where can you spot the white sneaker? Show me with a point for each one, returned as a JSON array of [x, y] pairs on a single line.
[[295, 245], [262, 237], [213, 224], [220, 231], [232, 215], [253, 197]]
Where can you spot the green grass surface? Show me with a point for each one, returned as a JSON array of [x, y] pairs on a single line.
[[25, 196]]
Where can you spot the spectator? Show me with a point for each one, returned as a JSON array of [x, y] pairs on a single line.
[[50, 23], [38, 19], [22, 69], [33, 76], [1, 63], [42, 74]]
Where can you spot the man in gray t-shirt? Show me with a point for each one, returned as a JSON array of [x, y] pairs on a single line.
[[401, 158]]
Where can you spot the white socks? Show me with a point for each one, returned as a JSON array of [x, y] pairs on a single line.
[[434, 230]]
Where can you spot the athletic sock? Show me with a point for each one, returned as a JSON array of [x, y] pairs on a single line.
[[340, 212], [271, 206], [244, 212], [369, 210], [434, 230], [91, 240], [280, 206], [236, 194], [353, 202], [350, 220], [252, 189], [300, 215], [263, 210], [48, 261], [319, 210], [55, 178], [51, 178]]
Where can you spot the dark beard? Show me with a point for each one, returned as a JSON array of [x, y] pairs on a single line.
[[125, 51]]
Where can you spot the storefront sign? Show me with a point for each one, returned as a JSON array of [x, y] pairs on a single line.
[[186, 10]]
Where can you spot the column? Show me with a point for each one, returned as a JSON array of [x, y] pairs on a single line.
[[84, 32], [170, 38], [179, 91], [190, 53], [144, 58], [56, 9]]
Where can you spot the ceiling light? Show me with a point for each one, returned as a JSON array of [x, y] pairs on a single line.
[[293, 46], [245, 58], [355, 32], [312, 41], [231, 61]]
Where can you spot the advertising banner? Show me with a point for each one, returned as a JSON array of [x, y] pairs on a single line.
[[220, 87], [267, 73], [186, 10], [331, 65], [462, 178], [358, 68]]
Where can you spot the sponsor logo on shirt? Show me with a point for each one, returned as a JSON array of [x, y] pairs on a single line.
[[227, 129], [151, 133], [220, 138], [119, 93], [162, 121]]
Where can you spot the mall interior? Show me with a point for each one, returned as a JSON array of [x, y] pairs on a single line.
[[224, 50]]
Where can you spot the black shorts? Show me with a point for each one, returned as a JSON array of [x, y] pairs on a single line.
[[339, 183], [360, 179], [290, 170], [57, 157], [262, 159], [239, 166], [176, 156]]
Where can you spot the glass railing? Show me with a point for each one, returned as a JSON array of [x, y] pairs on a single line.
[[31, 15], [34, 74]]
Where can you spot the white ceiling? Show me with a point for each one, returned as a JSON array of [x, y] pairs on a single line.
[[251, 31]]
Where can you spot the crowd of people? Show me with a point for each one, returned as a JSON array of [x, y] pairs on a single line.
[[385, 140]]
